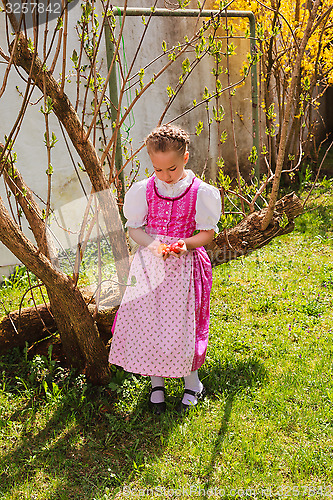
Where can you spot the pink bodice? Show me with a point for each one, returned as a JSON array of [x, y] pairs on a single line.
[[172, 216]]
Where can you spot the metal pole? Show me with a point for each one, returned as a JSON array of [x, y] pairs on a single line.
[[142, 11], [113, 91], [117, 11], [254, 93]]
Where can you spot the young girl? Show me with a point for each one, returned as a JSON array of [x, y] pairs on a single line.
[[161, 328]]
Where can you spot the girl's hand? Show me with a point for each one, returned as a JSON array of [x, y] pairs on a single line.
[[164, 249], [154, 247], [159, 249], [178, 249]]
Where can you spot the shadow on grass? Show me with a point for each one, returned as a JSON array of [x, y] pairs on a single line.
[[231, 379], [87, 446]]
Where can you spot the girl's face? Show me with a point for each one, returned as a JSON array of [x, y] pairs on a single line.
[[169, 165]]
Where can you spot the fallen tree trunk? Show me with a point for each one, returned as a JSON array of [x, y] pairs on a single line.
[[33, 325], [30, 326], [247, 236]]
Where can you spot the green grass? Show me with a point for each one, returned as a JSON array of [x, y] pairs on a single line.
[[266, 425], [14, 291]]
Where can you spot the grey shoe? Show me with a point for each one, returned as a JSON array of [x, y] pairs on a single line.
[[157, 408], [183, 408]]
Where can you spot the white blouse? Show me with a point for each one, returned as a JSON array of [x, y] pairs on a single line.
[[208, 204]]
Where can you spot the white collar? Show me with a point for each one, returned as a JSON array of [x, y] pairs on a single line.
[[173, 190]]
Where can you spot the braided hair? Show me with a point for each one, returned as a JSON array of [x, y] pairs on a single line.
[[168, 138]]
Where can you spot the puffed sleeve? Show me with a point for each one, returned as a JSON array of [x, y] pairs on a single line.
[[135, 204], [208, 207]]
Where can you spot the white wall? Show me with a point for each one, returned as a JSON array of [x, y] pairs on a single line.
[[29, 145]]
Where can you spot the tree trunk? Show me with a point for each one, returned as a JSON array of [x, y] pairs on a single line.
[[65, 112], [29, 325], [23, 195], [247, 236], [32, 325], [79, 334], [80, 338], [239, 241]]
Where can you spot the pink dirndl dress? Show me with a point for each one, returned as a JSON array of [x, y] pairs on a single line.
[[161, 327]]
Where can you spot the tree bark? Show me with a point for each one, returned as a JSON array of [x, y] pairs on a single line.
[[247, 236], [65, 317], [80, 337], [239, 241], [29, 325], [32, 325]]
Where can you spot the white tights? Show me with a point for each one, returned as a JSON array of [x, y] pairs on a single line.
[[191, 382]]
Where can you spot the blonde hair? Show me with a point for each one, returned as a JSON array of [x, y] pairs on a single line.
[[168, 138]]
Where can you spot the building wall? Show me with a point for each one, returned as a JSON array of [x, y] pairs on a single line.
[[149, 109], [30, 148]]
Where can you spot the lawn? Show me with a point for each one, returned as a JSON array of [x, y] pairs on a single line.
[[264, 430]]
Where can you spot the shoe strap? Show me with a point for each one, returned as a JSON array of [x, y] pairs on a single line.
[[158, 388], [192, 393]]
